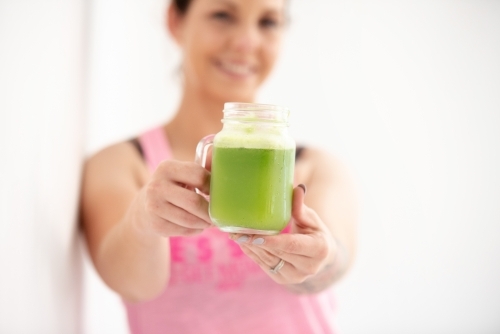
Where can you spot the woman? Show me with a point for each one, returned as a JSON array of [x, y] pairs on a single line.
[[149, 234]]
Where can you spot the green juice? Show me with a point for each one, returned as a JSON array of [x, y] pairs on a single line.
[[251, 189]]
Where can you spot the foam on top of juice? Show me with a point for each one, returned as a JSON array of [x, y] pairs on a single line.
[[248, 136]]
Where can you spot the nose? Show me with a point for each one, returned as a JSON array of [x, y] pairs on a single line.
[[245, 38]]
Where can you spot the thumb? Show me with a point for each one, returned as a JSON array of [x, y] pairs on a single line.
[[298, 206], [304, 219]]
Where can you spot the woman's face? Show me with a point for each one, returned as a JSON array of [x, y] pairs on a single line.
[[229, 46]]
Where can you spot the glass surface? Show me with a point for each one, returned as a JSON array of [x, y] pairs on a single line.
[[251, 188], [252, 168]]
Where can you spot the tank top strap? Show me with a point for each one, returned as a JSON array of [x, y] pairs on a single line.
[[155, 146]]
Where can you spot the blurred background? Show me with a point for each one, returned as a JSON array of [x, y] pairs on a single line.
[[406, 93]]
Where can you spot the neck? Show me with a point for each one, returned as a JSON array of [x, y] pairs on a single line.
[[198, 116]]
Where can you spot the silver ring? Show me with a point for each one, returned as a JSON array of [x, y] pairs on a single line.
[[278, 267]]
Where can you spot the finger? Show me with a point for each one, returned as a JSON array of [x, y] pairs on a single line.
[[188, 173], [287, 274], [282, 244], [181, 217], [278, 277], [272, 260], [302, 264], [304, 218], [188, 200], [299, 194]]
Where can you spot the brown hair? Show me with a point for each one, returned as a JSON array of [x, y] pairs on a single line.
[[181, 5]]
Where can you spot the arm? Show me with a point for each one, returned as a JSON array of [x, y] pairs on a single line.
[[321, 245], [128, 216], [331, 194]]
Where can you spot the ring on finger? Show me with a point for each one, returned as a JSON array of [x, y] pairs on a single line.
[[277, 267]]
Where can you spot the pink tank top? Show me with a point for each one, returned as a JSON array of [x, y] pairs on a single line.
[[215, 288]]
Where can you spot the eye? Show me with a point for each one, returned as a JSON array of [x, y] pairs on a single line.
[[268, 23], [222, 16]]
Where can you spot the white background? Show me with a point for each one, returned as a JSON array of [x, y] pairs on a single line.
[[407, 93], [42, 64]]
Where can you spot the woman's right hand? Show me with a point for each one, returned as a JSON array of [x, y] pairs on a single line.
[[168, 204], [126, 213]]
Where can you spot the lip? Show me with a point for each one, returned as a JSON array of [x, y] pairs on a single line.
[[236, 69]]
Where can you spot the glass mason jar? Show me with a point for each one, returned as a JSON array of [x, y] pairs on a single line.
[[252, 169]]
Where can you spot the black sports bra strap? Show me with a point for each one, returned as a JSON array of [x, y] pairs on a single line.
[[134, 141], [137, 145], [298, 152]]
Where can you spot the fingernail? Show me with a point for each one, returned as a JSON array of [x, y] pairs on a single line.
[[258, 241], [242, 239], [303, 186]]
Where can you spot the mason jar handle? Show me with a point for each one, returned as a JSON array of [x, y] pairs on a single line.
[[202, 150], [201, 156]]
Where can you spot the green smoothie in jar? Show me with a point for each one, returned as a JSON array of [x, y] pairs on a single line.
[[253, 161]]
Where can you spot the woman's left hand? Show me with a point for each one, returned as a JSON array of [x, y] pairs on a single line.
[[306, 250]]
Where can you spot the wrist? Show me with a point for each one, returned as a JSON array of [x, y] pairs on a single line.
[[339, 259]]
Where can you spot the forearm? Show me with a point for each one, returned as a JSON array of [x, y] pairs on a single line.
[[132, 262]]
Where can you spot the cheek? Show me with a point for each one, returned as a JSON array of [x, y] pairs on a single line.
[[207, 45], [200, 49], [270, 54]]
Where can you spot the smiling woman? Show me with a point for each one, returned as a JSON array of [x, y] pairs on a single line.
[[229, 47], [149, 233]]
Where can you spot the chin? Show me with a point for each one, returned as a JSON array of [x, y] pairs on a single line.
[[230, 94]]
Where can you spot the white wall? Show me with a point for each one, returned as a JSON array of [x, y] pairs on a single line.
[[407, 93], [42, 48]]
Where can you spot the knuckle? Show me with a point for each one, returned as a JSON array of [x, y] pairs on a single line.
[[190, 219], [150, 205], [152, 190], [190, 232], [192, 201], [158, 226], [305, 277], [323, 252], [200, 176], [268, 258], [176, 230], [184, 231], [185, 216], [279, 252], [166, 166], [311, 269], [299, 279], [293, 246]]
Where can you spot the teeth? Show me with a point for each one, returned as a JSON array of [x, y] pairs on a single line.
[[236, 68]]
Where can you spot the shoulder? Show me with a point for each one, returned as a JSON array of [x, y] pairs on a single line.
[[121, 160], [317, 164], [331, 189]]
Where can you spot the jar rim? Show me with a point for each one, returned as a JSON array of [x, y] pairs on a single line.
[[245, 106]]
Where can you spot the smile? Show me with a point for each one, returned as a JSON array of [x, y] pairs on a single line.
[[236, 70]]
